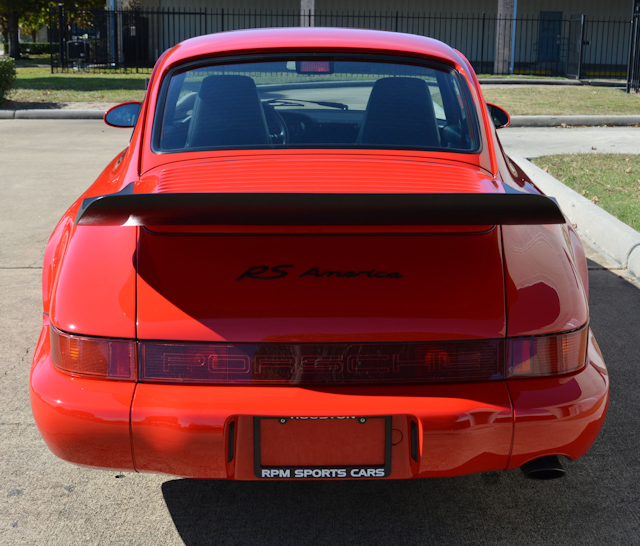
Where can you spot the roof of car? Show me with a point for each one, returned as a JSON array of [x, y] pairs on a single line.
[[321, 38]]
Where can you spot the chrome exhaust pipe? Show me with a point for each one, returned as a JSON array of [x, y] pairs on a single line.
[[543, 468]]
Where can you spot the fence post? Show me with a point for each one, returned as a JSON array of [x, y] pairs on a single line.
[[51, 36], [221, 19], [137, 34], [631, 56], [60, 34], [583, 21], [633, 69], [396, 20], [482, 44], [512, 62]]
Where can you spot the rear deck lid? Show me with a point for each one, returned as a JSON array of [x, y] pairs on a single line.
[[320, 287]]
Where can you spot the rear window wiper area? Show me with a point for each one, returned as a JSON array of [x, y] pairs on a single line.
[[296, 102]]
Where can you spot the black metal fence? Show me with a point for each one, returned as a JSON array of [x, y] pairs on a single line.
[[633, 70], [553, 46]]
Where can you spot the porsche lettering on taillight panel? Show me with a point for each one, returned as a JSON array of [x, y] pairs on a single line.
[[321, 364]]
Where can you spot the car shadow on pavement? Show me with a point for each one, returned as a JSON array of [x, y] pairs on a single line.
[[596, 503]]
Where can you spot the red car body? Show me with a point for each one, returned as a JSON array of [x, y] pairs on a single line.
[[414, 284]]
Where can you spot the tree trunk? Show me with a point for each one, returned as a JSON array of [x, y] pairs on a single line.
[[14, 43], [5, 37], [34, 35]]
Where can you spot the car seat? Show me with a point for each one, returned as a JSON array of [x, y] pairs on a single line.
[[227, 112], [400, 113]]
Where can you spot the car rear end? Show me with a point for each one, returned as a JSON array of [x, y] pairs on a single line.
[[318, 309]]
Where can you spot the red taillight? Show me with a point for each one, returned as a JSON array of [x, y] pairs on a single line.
[[321, 364], [94, 357], [339, 363], [547, 355]]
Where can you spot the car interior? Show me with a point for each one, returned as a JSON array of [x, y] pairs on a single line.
[[230, 110]]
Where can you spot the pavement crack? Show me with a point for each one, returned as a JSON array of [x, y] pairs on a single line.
[[24, 356], [21, 267]]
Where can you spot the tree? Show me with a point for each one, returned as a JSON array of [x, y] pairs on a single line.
[[4, 28], [31, 23], [13, 10]]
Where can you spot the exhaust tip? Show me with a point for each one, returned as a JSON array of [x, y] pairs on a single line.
[[543, 468]]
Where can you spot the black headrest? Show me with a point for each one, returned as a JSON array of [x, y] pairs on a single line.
[[400, 113], [227, 112]]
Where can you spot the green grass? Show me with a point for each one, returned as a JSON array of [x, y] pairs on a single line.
[[33, 60], [520, 100], [36, 84], [602, 178], [39, 85], [520, 77]]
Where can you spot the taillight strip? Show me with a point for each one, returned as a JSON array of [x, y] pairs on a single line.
[[314, 364], [339, 363]]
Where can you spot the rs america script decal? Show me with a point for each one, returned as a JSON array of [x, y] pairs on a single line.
[[264, 272]]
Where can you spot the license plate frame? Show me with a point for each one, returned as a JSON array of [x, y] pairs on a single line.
[[322, 472]]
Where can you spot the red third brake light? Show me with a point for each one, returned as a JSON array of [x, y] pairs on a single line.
[[93, 357], [548, 355], [337, 363], [314, 67]]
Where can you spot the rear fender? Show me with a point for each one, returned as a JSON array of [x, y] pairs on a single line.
[[544, 290]]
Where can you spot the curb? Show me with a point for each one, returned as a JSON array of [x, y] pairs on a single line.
[[616, 238], [573, 121], [51, 114], [516, 121], [536, 81], [526, 81]]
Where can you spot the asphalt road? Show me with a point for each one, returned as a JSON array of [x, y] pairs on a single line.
[[44, 165]]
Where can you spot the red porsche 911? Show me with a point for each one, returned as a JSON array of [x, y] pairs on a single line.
[[314, 261]]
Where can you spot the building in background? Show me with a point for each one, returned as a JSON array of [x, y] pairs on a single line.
[[579, 38], [483, 30]]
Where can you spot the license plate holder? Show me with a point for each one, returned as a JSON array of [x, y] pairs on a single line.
[[322, 472]]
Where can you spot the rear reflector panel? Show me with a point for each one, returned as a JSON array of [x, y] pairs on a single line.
[[548, 355], [95, 357], [321, 364]]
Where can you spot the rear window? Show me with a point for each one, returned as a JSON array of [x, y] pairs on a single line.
[[318, 103]]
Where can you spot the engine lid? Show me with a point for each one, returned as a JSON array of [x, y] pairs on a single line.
[[320, 287]]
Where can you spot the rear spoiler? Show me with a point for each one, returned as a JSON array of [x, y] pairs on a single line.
[[318, 209]]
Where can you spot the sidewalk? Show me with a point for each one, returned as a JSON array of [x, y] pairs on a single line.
[[534, 142]]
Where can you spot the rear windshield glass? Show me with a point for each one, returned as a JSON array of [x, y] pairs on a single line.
[[315, 103]]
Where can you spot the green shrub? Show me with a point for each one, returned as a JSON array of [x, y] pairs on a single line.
[[34, 48], [7, 75], [30, 48]]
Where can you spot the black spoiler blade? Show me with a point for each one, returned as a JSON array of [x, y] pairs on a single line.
[[318, 209]]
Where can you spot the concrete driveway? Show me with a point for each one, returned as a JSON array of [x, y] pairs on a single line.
[[44, 165], [537, 141]]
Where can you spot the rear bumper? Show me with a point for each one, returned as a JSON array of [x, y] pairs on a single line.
[[184, 430]]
